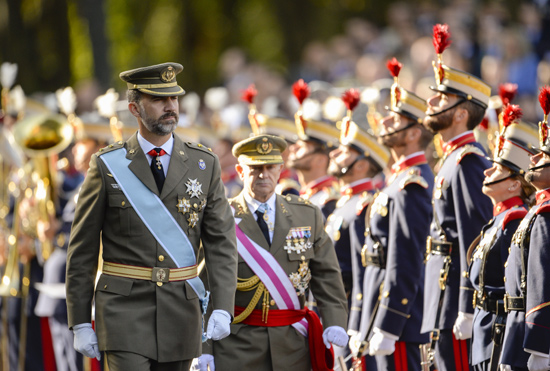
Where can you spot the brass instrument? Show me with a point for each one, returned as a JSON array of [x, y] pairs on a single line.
[[40, 137]]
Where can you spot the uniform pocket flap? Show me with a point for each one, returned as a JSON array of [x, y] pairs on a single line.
[[118, 200], [189, 292], [116, 285]]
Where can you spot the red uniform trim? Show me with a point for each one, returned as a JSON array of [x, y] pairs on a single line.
[[322, 359], [48, 355], [543, 209], [513, 215], [400, 356], [460, 355]]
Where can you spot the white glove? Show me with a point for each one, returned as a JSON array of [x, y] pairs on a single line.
[[382, 343], [85, 341], [206, 361], [218, 325], [335, 335], [354, 342], [463, 326], [537, 362], [503, 367]]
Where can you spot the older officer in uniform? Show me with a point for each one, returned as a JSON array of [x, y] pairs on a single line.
[[152, 200], [527, 336], [509, 192], [460, 209], [399, 223], [283, 250]]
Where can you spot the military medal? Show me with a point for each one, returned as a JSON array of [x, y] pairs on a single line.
[[300, 280], [193, 219], [202, 165], [183, 205], [194, 188]]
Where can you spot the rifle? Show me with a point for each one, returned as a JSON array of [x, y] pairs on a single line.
[[363, 348]]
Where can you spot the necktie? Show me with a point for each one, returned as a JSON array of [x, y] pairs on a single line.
[[262, 216], [156, 166]]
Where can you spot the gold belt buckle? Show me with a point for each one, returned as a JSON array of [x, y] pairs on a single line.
[[160, 274]]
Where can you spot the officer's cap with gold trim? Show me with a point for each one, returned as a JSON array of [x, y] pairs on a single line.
[[262, 149], [158, 80], [453, 81], [517, 141], [403, 101]]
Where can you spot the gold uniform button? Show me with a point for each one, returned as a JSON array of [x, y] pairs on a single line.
[[404, 301], [504, 278], [506, 264], [386, 294], [359, 296], [161, 258], [104, 287], [303, 257], [123, 203], [465, 274], [272, 302], [159, 284]]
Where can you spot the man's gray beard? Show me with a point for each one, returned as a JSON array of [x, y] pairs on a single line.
[[158, 128]]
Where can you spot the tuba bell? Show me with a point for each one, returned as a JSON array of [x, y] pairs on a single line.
[[40, 137]]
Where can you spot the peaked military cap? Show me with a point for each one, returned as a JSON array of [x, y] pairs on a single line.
[[158, 80], [516, 147], [262, 149]]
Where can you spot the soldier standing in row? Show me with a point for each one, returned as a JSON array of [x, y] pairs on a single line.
[[460, 208], [399, 222], [283, 252], [527, 337], [309, 156], [509, 191], [357, 160], [151, 200]]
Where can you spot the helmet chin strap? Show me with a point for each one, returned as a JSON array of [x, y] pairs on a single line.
[[539, 167], [398, 130], [345, 170], [499, 180], [446, 109]]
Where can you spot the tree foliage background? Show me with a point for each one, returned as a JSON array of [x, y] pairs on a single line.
[[63, 42]]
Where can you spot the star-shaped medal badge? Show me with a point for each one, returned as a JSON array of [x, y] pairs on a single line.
[[194, 188], [193, 219], [183, 205]]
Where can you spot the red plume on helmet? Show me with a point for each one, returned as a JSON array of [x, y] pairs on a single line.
[[300, 89], [510, 114], [394, 67], [441, 41], [544, 100], [507, 92], [441, 38], [351, 99], [507, 117], [249, 94]]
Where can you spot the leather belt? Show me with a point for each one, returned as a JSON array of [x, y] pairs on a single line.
[[435, 247], [514, 303], [488, 304], [375, 259], [155, 274]]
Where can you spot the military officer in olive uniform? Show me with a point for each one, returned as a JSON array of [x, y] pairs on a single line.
[[283, 252], [527, 335], [460, 210], [505, 184], [152, 200], [399, 223]]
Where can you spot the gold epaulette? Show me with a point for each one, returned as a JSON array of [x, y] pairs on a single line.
[[365, 199], [110, 147], [466, 150], [413, 176]]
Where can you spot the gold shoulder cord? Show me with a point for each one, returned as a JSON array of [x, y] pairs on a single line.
[[250, 284]]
